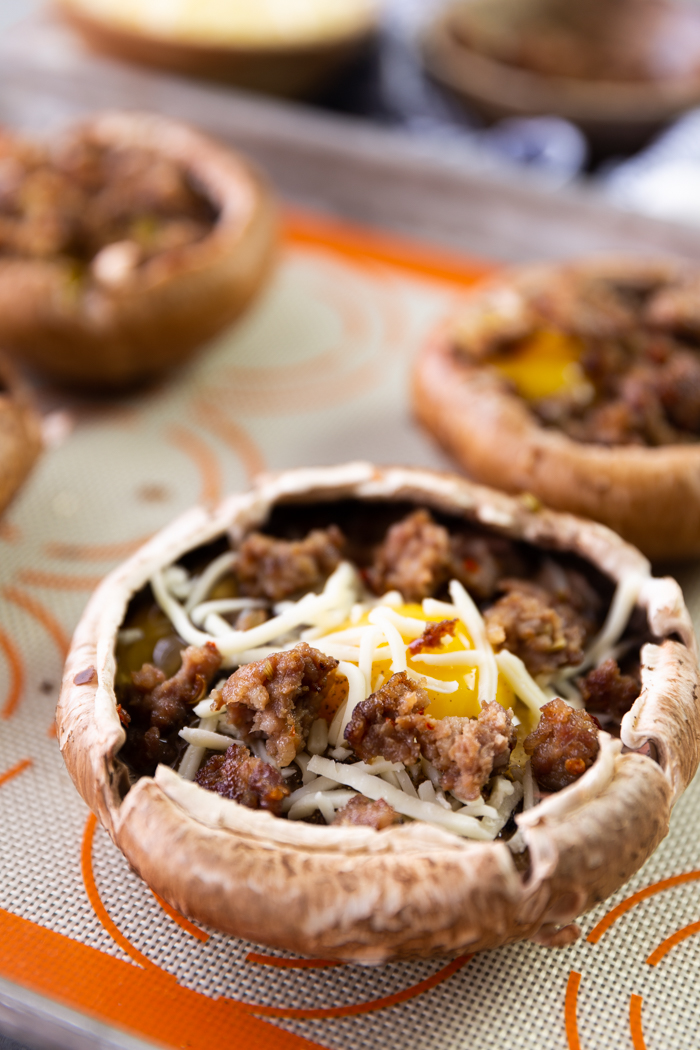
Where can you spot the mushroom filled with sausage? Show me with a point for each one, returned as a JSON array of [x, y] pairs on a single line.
[[370, 713]]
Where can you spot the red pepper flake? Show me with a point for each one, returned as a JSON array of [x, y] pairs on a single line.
[[124, 716], [470, 565], [432, 636], [85, 677]]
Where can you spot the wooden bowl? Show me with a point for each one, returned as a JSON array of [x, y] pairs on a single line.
[[111, 336], [294, 70], [615, 114]]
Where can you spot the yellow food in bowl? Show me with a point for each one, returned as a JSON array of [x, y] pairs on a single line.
[[235, 23]]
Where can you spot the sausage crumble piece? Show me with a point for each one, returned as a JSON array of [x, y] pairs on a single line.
[[415, 558], [418, 557], [545, 623], [388, 723], [83, 197], [605, 691], [638, 356], [367, 812], [159, 707], [279, 697], [563, 746], [279, 569], [466, 751], [240, 776]]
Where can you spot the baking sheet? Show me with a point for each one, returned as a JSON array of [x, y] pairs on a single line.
[[315, 373]]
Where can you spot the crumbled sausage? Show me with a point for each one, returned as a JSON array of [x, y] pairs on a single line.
[[418, 557], [84, 195], [278, 569], [679, 390], [159, 707], [169, 700], [279, 698], [391, 724], [388, 722], [367, 812], [639, 356], [466, 751], [546, 622], [606, 691], [479, 562], [415, 558], [240, 776], [563, 746], [432, 636]]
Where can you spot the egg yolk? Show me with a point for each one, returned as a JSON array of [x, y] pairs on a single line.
[[463, 702], [544, 364]]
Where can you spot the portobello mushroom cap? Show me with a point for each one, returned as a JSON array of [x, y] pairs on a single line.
[[412, 890], [111, 336], [649, 495], [20, 433]]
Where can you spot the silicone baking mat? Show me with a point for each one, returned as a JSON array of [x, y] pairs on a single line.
[[316, 373]]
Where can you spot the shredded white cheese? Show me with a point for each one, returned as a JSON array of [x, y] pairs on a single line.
[[211, 575], [318, 737], [393, 637], [621, 608], [200, 612], [374, 788], [206, 739], [474, 622], [325, 801], [521, 681]]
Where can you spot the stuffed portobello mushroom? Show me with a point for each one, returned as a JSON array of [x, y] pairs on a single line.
[[367, 713], [579, 383], [126, 242]]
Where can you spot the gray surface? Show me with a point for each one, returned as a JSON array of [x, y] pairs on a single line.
[[12, 11]]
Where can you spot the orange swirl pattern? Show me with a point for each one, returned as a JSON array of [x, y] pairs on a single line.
[[636, 1030], [17, 678], [570, 1010], [94, 551], [57, 581], [41, 614], [671, 942], [356, 1009], [182, 922], [203, 458], [210, 415], [96, 901], [657, 887], [15, 770]]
